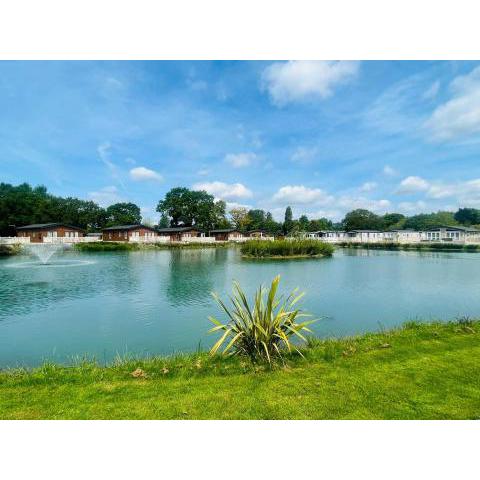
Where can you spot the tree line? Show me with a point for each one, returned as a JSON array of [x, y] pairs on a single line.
[[24, 204]]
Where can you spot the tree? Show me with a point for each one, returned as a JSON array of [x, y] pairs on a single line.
[[288, 223], [257, 219], [424, 221], [191, 207], [164, 221], [303, 223], [393, 220], [467, 216], [320, 224], [271, 226], [362, 219], [240, 218], [123, 214]]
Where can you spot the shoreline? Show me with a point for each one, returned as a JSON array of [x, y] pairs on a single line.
[[401, 373], [423, 246]]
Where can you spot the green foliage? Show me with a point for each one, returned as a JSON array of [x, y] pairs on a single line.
[[191, 207], [106, 246], [423, 221], [320, 224], [23, 205], [288, 221], [286, 248], [164, 221], [467, 216], [393, 221], [261, 331], [123, 214], [362, 219], [412, 246]]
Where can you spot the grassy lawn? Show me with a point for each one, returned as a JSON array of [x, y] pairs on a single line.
[[422, 371]]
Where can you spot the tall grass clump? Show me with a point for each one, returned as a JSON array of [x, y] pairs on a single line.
[[286, 248], [106, 246], [261, 331]]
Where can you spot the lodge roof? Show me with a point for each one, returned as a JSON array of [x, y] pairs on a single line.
[[44, 226], [176, 229], [364, 231], [453, 227], [224, 230], [127, 227]]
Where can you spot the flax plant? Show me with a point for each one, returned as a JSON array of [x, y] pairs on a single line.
[[264, 330]]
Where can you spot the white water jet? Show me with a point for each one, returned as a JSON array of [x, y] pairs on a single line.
[[43, 251]]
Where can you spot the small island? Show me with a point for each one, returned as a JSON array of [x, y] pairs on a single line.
[[286, 249]]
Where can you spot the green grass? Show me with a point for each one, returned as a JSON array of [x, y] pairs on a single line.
[[6, 250], [426, 246], [421, 371], [127, 246], [286, 248]]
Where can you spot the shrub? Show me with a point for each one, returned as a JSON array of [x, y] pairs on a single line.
[[106, 246], [286, 248], [262, 331]]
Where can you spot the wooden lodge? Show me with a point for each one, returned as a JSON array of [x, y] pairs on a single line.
[[127, 233], [37, 232], [179, 234], [226, 234], [257, 233]]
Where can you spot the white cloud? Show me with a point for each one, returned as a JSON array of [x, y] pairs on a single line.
[[301, 195], [368, 186], [202, 172], [240, 160], [224, 191], [140, 174], [106, 196], [297, 80], [432, 91], [412, 184], [304, 155], [412, 207], [104, 152], [351, 203], [459, 116], [389, 171]]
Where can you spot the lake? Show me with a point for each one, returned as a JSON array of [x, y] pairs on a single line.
[[157, 302]]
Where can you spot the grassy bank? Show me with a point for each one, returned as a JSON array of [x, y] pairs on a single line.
[[6, 250], [421, 371], [127, 246], [286, 249], [426, 246]]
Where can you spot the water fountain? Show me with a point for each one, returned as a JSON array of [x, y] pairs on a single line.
[[43, 251]]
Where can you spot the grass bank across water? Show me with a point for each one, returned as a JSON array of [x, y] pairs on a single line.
[[286, 249], [421, 371], [425, 246], [127, 246]]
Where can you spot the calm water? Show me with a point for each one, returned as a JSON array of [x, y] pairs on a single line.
[[158, 302]]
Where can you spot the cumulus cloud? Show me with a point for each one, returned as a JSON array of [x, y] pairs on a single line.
[[460, 116], [368, 186], [412, 184], [140, 174], [240, 160], [224, 191], [304, 155], [106, 196], [412, 207], [301, 195], [295, 81], [348, 203], [389, 171]]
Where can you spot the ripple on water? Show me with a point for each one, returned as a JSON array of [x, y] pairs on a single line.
[[55, 264]]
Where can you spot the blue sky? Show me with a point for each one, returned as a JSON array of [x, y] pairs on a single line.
[[323, 137]]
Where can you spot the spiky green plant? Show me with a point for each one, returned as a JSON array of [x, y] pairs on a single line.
[[262, 331]]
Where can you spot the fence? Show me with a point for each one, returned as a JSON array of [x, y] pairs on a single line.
[[14, 240]]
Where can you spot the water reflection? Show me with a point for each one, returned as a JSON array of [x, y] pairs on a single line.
[[191, 275]]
